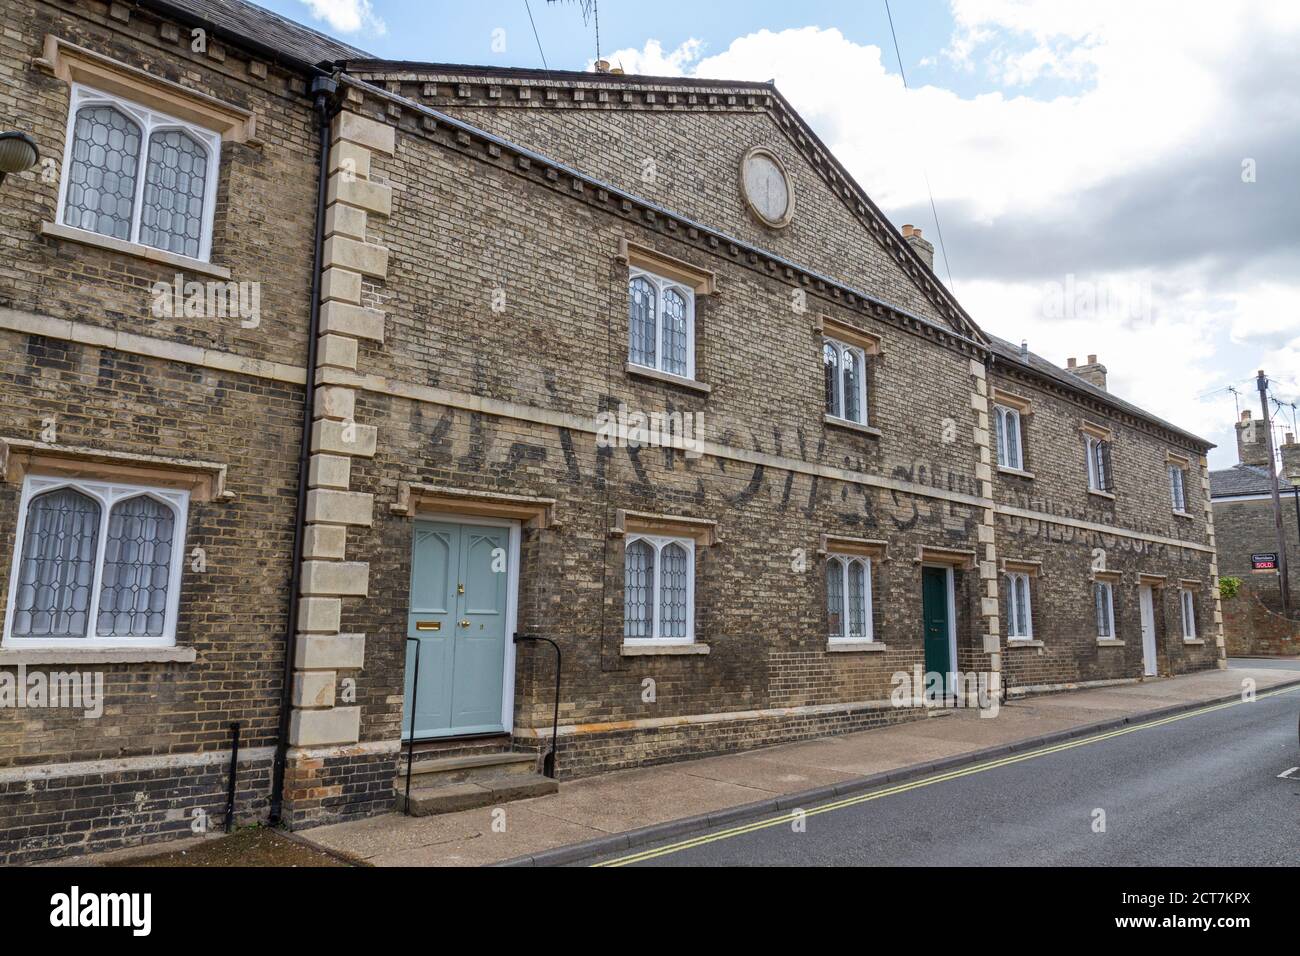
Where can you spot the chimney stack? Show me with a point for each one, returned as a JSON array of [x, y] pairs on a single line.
[[1252, 446], [922, 247], [1291, 460], [1094, 373]]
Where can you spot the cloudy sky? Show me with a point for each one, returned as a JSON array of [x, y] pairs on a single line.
[[1119, 177]]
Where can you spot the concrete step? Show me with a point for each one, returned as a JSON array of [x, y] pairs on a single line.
[[465, 767], [484, 790]]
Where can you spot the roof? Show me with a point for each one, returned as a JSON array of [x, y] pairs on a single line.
[[365, 64], [248, 21], [1241, 480], [1005, 350]]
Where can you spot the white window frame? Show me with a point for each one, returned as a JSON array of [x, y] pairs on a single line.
[[1006, 417], [842, 349], [662, 285], [844, 637], [1012, 577], [1095, 471], [1109, 591], [1178, 488], [1187, 602], [150, 122], [658, 543], [106, 494]]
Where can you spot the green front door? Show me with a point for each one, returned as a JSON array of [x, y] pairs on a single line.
[[460, 579], [934, 612]]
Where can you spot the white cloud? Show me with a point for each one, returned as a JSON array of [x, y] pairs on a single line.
[[1156, 85], [347, 16], [652, 61]]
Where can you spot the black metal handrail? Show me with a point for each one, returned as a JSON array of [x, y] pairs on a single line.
[[548, 762], [410, 737]]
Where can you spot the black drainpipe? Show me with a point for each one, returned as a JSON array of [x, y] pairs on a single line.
[[323, 89]]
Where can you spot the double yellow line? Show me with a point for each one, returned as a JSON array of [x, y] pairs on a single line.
[[788, 818]]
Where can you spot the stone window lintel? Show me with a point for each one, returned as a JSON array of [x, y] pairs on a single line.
[[703, 281], [205, 480], [77, 64]]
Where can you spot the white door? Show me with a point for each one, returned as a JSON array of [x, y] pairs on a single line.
[[1148, 632]]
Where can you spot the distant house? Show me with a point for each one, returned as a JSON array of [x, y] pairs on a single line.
[[1245, 529]]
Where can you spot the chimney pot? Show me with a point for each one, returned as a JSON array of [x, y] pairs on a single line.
[[1290, 452], [1252, 443], [921, 246], [1094, 373]]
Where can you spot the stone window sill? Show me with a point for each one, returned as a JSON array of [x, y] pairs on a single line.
[[96, 655], [1109, 642], [852, 426], [1183, 514], [662, 650], [641, 371], [1017, 472], [1108, 495], [1023, 642], [854, 647], [185, 263], [1194, 641]]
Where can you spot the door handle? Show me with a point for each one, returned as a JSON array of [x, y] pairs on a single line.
[[464, 623]]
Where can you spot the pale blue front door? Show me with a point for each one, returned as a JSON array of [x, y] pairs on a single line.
[[460, 577]]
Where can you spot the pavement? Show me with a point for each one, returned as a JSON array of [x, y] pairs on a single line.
[[1217, 786], [633, 808]]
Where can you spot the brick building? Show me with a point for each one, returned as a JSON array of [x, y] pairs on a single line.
[[629, 363], [1243, 514]]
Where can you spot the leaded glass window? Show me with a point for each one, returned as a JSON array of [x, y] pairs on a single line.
[[659, 589], [98, 562], [848, 598], [661, 324], [138, 175], [846, 381]]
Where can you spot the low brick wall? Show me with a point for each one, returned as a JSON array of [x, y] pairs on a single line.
[[1252, 630], [96, 806], [586, 754], [330, 787]]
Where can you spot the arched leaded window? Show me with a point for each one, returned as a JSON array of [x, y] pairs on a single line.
[[661, 324], [175, 188], [659, 589], [848, 598], [104, 161], [138, 175], [846, 381], [1006, 422], [1020, 617], [98, 562], [642, 309], [56, 566], [137, 568]]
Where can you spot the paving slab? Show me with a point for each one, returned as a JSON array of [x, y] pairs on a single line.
[[613, 803]]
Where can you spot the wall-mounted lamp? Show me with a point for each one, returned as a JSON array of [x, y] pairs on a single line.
[[18, 153]]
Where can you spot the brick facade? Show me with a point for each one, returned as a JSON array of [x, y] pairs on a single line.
[[474, 325], [81, 347]]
